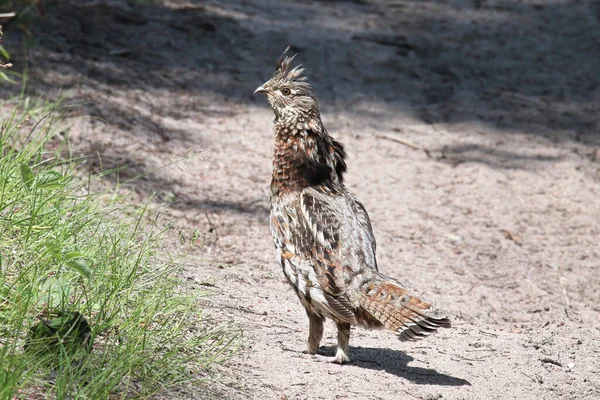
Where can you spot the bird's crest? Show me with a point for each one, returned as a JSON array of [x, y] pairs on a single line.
[[283, 71]]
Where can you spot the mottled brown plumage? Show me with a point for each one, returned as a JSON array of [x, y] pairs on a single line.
[[323, 233]]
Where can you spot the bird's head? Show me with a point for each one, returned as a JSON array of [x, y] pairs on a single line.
[[288, 92]]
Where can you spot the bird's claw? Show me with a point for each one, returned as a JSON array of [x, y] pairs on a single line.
[[339, 358]]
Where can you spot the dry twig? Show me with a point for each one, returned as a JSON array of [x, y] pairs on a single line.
[[405, 143], [561, 281], [548, 360], [488, 333], [515, 237]]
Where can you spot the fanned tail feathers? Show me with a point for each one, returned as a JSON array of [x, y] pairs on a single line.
[[409, 317]]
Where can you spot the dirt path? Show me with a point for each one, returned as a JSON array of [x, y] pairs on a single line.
[[499, 225]]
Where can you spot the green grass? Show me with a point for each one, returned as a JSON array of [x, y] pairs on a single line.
[[64, 249]]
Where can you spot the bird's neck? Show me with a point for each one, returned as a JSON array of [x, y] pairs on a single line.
[[303, 156]]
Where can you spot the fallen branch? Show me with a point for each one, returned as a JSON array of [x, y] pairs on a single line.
[[406, 143], [458, 357], [488, 333], [471, 351], [213, 228], [548, 360], [514, 237], [561, 281], [536, 380]]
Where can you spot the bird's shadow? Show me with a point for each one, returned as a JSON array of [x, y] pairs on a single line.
[[396, 363]]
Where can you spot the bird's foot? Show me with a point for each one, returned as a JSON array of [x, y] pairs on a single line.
[[339, 358]]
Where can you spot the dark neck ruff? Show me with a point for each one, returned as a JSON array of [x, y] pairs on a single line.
[[302, 157]]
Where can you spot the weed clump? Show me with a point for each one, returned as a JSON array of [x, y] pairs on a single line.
[[91, 304]]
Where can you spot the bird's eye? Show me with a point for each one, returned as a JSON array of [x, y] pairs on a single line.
[[286, 91]]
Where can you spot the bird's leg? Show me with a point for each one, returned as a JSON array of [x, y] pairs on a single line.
[[341, 354], [315, 331]]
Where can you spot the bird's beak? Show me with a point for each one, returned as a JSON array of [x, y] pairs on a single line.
[[260, 89]]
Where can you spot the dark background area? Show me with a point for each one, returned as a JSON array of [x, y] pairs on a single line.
[[522, 66]]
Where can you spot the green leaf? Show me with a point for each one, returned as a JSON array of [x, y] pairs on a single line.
[[40, 331], [81, 265], [4, 77], [27, 175], [49, 180], [63, 320], [4, 53], [64, 329], [55, 251], [73, 255], [54, 292]]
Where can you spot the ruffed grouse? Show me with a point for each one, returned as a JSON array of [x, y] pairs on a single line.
[[322, 232]]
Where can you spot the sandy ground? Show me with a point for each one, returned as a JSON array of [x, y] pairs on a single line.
[[498, 224]]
